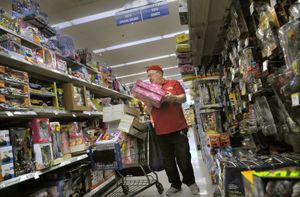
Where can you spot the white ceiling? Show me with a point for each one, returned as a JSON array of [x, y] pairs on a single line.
[[206, 18]]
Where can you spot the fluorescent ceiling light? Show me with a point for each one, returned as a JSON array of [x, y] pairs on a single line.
[[143, 60], [146, 80], [170, 76], [90, 18], [138, 42], [143, 73]]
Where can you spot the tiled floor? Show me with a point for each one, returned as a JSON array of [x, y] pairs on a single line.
[[201, 175]]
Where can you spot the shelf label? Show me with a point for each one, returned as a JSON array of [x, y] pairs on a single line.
[[255, 87], [8, 113], [265, 65], [251, 8], [36, 176], [249, 97], [295, 99]]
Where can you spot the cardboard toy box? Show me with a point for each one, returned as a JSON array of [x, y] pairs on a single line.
[[74, 97], [148, 92], [7, 171], [115, 112], [43, 155], [40, 130], [21, 140], [280, 182], [4, 138], [129, 124], [6, 155]]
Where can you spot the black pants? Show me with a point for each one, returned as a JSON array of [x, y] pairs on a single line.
[[175, 148]]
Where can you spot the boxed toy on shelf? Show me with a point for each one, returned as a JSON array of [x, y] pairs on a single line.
[[43, 155], [14, 90], [43, 94], [41, 131], [74, 97], [22, 144], [4, 138], [76, 142], [56, 142]]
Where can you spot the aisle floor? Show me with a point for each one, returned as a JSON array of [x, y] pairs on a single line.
[[201, 174]]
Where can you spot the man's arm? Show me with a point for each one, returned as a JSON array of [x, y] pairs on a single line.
[[175, 98]]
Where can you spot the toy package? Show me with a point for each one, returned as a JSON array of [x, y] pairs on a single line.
[[7, 171], [4, 138], [148, 93], [67, 46], [40, 130], [56, 142], [211, 122], [43, 155], [65, 147], [21, 139], [6, 155]]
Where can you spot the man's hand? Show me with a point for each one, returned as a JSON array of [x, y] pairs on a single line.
[[147, 107], [170, 97]]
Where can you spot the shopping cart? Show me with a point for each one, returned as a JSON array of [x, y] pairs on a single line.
[[132, 179]]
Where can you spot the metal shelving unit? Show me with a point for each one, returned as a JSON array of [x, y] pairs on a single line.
[[48, 113], [37, 174], [101, 187]]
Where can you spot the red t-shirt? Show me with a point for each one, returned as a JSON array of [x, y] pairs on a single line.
[[169, 117]]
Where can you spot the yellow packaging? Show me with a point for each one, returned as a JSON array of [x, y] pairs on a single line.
[[182, 48], [182, 38]]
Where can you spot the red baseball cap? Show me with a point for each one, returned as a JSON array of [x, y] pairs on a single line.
[[155, 67]]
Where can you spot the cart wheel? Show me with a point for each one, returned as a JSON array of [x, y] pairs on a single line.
[[160, 188], [125, 189]]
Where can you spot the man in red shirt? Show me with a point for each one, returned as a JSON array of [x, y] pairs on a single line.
[[171, 130]]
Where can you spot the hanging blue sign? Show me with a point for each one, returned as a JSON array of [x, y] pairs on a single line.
[[155, 10], [128, 17], [142, 13]]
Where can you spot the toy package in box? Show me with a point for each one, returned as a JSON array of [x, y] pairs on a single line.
[[21, 140], [65, 147], [74, 97], [75, 130], [43, 155], [280, 182], [40, 130], [211, 121], [147, 92], [56, 142], [7, 171], [4, 138], [76, 141], [116, 112], [6, 155]]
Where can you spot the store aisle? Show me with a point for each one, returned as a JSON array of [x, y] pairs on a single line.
[[201, 174]]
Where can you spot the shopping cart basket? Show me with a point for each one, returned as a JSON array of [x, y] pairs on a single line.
[[132, 179]]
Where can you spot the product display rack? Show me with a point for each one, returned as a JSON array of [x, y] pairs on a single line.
[[259, 82], [35, 69], [35, 175], [47, 87], [103, 185]]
